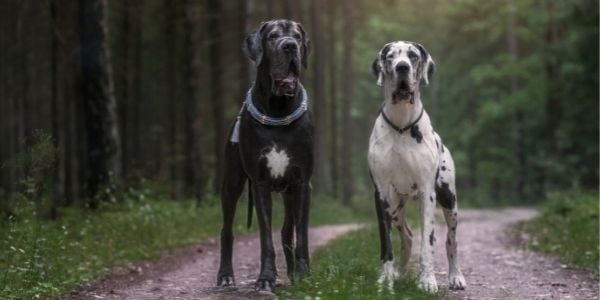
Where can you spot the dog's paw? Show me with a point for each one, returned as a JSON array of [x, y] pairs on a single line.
[[456, 281], [388, 272], [301, 270], [266, 286], [225, 281], [428, 283], [387, 275]]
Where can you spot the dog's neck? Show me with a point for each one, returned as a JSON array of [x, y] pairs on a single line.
[[402, 113], [270, 104]]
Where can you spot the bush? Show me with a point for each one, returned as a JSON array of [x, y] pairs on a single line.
[[568, 227]]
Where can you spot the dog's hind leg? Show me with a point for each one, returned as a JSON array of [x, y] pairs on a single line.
[[446, 197], [231, 189], [456, 280], [406, 238]]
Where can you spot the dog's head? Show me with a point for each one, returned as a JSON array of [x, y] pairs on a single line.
[[402, 67], [279, 47]]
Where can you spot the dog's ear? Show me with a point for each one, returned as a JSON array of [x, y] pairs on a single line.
[[427, 65], [376, 69], [252, 44], [305, 46]]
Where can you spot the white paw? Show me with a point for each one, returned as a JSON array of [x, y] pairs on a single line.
[[456, 281], [387, 275], [428, 283]]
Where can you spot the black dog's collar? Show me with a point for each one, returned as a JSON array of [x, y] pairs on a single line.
[[272, 121], [264, 119], [404, 129]]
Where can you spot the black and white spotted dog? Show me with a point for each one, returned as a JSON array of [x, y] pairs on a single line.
[[407, 160]]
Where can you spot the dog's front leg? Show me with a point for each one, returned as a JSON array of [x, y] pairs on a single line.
[[427, 280], [301, 214], [388, 272], [287, 234], [268, 270]]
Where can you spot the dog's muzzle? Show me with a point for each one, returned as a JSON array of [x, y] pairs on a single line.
[[285, 74]]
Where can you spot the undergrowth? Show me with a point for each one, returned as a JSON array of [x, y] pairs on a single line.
[[568, 226], [41, 258]]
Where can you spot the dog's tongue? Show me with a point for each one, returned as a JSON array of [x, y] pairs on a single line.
[[287, 85], [289, 80]]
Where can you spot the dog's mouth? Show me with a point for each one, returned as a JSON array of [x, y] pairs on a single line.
[[286, 84], [402, 92]]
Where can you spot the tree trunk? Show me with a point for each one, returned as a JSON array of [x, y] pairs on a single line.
[[193, 176], [244, 27], [137, 156], [292, 10], [25, 101], [554, 110], [63, 92], [347, 179], [20, 94], [101, 124], [215, 15], [318, 95], [270, 9], [333, 109], [171, 102], [57, 114], [519, 147], [124, 75]]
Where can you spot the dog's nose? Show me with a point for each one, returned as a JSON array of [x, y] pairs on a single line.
[[402, 68], [289, 47]]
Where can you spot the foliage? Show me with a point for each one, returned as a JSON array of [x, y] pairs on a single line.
[[472, 103], [568, 226], [41, 258], [348, 269], [37, 163]]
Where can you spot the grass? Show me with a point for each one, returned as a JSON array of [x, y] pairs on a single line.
[[568, 226], [348, 268], [45, 259]]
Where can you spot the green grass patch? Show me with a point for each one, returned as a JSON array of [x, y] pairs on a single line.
[[43, 259], [348, 269], [568, 227]]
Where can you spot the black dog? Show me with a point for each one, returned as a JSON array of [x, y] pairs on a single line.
[[274, 152]]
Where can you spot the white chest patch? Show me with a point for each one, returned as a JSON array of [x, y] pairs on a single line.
[[277, 162]]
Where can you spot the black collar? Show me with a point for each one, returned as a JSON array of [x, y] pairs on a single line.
[[404, 129]]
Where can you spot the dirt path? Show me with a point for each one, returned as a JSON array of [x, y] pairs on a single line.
[[495, 268], [190, 273], [493, 265]]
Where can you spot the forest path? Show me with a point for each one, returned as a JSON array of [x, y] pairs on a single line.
[[191, 272], [491, 260], [495, 267]]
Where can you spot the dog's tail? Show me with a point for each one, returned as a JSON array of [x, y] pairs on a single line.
[[250, 205]]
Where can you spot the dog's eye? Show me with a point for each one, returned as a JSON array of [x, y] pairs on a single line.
[[413, 56], [297, 36], [390, 56], [272, 36]]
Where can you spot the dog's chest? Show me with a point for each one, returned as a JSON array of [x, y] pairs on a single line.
[[399, 163], [277, 161]]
